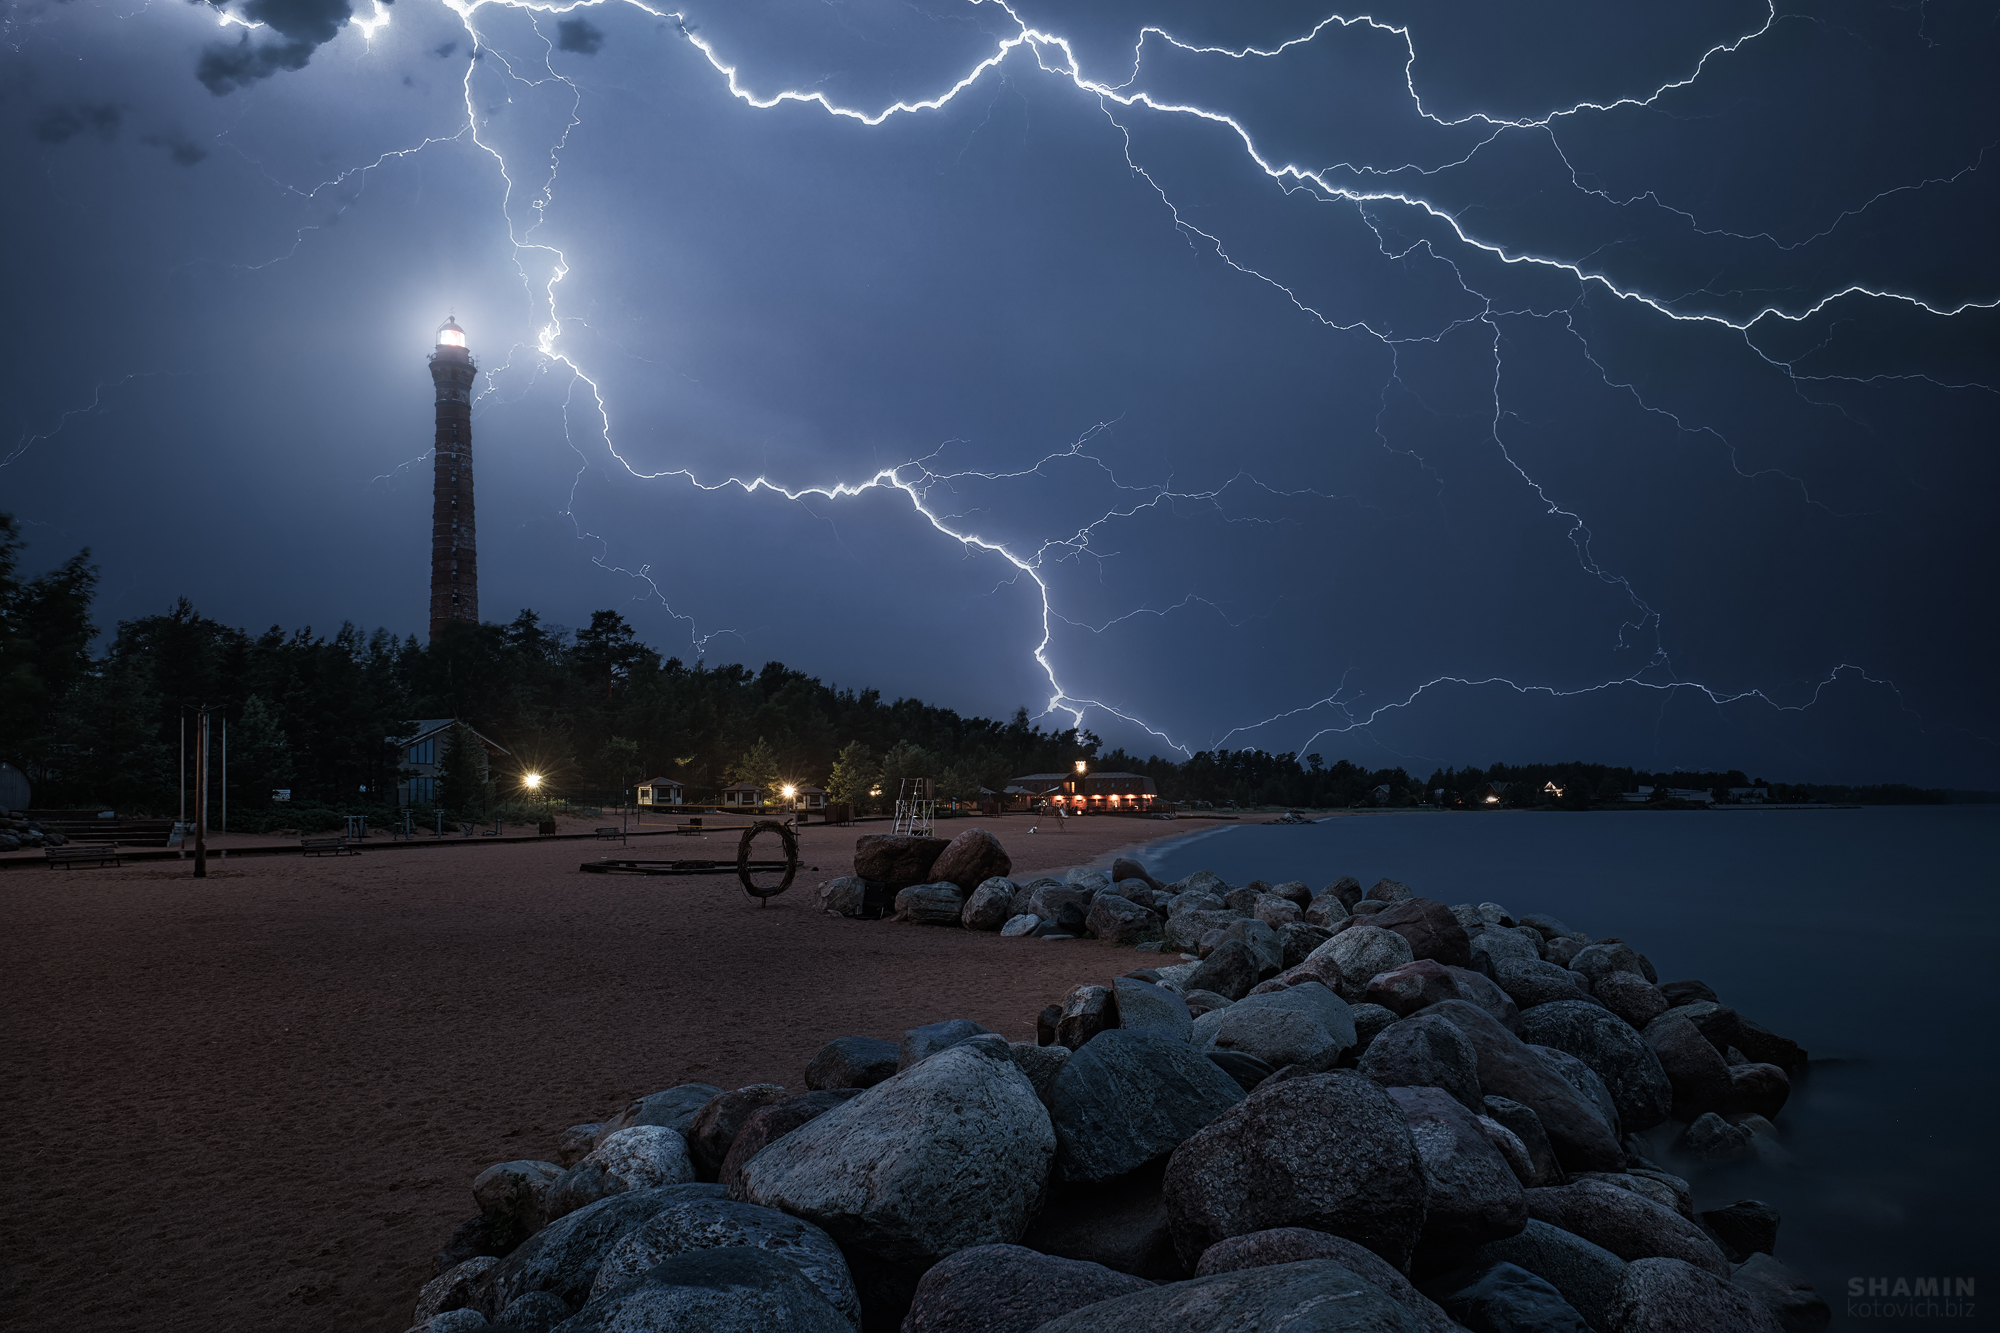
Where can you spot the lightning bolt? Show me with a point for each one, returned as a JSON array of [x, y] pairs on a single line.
[[543, 266]]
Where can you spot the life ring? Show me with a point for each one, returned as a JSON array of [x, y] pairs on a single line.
[[761, 892]]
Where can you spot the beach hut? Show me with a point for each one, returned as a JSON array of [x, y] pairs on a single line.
[[423, 747], [742, 796], [661, 791]]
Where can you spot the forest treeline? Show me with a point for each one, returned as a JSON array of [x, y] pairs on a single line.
[[594, 710]]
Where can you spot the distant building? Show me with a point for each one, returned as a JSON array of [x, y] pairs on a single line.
[[423, 758], [1755, 795], [1550, 789], [1493, 793], [1637, 797], [661, 791], [742, 796], [809, 797], [1694, 794], [1078, 792]]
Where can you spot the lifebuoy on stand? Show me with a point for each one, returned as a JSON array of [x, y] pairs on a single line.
[[764, 892]]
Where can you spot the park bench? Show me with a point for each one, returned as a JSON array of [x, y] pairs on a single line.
[[692, 826], [328, 847], [611, 834], [71, 853]]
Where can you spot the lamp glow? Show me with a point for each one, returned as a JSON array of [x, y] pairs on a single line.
[[451, 338], [790, 791], [531, 780]]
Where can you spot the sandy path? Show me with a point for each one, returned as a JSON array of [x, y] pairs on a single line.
[[258, 1101]]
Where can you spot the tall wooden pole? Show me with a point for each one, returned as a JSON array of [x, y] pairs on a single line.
[[201, 796]]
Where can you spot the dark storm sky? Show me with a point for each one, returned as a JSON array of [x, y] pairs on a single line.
[[1454, 382]]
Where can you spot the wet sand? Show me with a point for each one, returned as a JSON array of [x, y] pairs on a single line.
[[257, 1101]]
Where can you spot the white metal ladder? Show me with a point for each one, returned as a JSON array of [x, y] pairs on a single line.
[[916, 807]]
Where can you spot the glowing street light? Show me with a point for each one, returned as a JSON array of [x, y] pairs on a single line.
[[532, 781], [789, 791], [1079, 767]]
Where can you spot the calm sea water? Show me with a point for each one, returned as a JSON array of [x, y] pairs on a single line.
[[1869, 936]]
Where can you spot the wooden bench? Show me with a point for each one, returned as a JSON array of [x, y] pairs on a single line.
[[71, 853], [610, 834], [328, 847]]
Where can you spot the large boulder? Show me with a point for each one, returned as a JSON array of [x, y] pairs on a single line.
[[1532, 981], [1427, 1051], [1262, 942], [1767, 1047], [1086, 1011], [637, 1158], [742, 1288], [1090, 882], [1125, 868], [1699, 1078], [951, 1152], [1119, 1223], [1327, 1151], [1406, 989], [970, 859], [513, 1197], [843, 895], [1471, 1195], [711, 1224], [931, 904], [1128, 1098], [1599, 960], [1145, 1007], [1386, 890], [1665, 1295], [1586, 1082], [1744, 1228], [1048, 898], [1279, 1037], [1297, 940], [1346, 891], [1758, 1089], [1009, 1289], [1583, 1139], [1230, 970], [1628, 1224], [1290, 1245], [451, 1289], [675, 1108], [1478, 988], [1632, 998], [1526, 1126], [990, 905], [1493, 947], [1312, 1296], [1275, 912], [1118, 920], [1587, 1275], [1307, 997], [851, 1062], [1431, 929], [896, 859], [563, 1257], [1505, 1298], [1040, 1063], [921, 1043], [770, 1123], [1360, 952], [709, 1137], [1787, 1295], [1617, 1054]]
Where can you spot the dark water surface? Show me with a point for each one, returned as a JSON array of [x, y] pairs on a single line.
[[1869, 936]]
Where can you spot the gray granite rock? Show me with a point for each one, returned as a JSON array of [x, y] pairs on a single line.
[[742, 1288], [851, 1062], [1667, 1295], [1426, 1051], [1586, 1275], [1614, 1051], [1145, 1007], [1471, 1194], [921, 1043], [951, 1152], [1627, 1224], [1509, 1068], [710, 1224], [1290, 1245], [1128, 1098], [931, 904], [1009, 1289], [1527, 1127], [675, 1108], [989, 905], [768, 1124], [1312, 1296], [1327, 1151], [1507, 1297]]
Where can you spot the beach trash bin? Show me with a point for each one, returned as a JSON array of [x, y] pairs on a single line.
[[546, 827]]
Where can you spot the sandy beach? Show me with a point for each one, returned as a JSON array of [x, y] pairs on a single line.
[[257, 1101]]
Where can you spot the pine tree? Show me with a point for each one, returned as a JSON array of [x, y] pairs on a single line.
[[853, 774]]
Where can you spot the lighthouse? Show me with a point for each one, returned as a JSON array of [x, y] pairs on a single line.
[[454, 554]]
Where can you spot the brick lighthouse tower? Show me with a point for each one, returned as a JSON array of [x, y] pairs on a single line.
[[454, 556]]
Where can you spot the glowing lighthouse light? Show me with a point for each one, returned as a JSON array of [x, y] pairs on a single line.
[[451, 335]]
